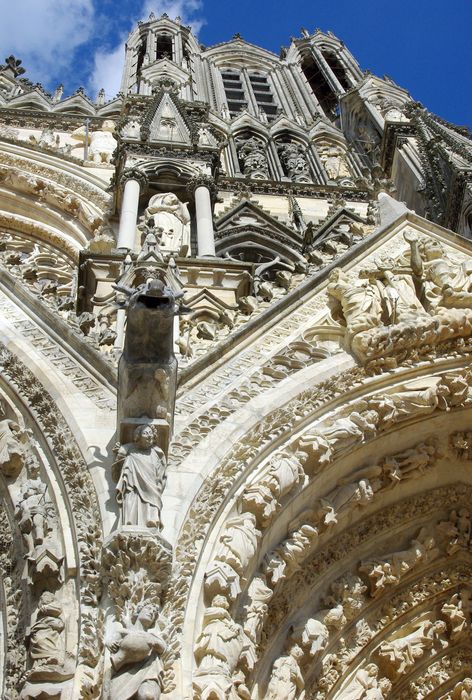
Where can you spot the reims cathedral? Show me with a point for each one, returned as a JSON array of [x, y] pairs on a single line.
[[235, 381]]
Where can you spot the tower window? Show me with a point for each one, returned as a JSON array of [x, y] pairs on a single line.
[[234, 91], [263, 95], [164, 46], [338, 69], [320, 86], [237, 88]]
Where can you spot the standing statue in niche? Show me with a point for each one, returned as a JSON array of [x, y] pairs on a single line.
[[138, 644], [46, 643], [140, 470], [11, 450], [167, 212], [32, 514], [253, 158], [334, 162], [294, 161], [147, 371]]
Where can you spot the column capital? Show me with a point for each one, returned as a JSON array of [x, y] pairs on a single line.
[[202, 180], [133, 174]]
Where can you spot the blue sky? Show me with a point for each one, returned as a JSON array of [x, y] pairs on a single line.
[[423, 45]]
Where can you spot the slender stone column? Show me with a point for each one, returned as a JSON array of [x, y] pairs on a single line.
[[204, 187], [129, 209]]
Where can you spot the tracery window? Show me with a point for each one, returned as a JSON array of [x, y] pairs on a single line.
[[164, 47], [244, 89], [234, 91], [263, 94]]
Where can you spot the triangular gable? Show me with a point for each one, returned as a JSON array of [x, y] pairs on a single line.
[[35, 99], [282, 123], [322, 129], [334, 228], [248, 214], [165, 123], [164, 69], [248, 224], [76, 103], [246, 120]]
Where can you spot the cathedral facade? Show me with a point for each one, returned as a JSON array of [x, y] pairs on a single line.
[[235, 385]]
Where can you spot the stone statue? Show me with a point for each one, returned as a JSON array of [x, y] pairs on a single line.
[[334, 162], [390, 570], [217, 651], [399, 291], [286, 680], [101, 143], [315, 637], [400, 654], [285, 559], [12, 453], [45, 639], [166, 211], [294, 161], [367, 686], [361, 303], [253, 158], [31, 513], [463, 690], [140, 470], [283, 473], [259, 595], [347, 497], [347, 430], [445, 282], [238, 543], [417, 398], [411, 463], [457, 614], [135, 657]]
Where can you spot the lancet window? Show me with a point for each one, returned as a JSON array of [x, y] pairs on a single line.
[[249, 90], [164, 47]]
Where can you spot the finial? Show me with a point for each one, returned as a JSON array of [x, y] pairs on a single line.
[[58, 92], [14, 65]]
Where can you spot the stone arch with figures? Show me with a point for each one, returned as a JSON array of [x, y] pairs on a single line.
[[340, 548], [51, 539]]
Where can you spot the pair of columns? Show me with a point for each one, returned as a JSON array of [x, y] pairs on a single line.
[[203, 187]]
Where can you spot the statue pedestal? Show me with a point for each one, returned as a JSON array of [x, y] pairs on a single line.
[[137, 563]]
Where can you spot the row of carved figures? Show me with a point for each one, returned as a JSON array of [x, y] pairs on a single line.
[[286, 473], [252, 154], [37, 521]]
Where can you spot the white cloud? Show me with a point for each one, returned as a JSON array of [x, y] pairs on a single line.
[[108, 70], [45, 33], [109, 64]]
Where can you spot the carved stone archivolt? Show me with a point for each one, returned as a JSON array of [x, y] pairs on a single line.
[[55, 653], [281, 480]]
